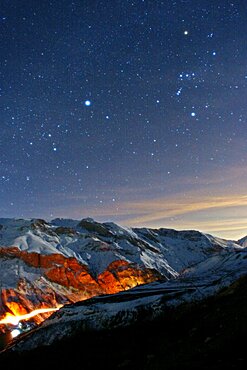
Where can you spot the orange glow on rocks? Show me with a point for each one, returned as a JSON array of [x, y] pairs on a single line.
[[15, 319], [121, 275], [75, 279]]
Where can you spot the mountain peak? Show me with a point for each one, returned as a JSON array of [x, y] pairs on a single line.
[[44, 265], [243, 241]]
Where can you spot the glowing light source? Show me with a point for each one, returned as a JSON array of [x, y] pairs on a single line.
[[87, 103], [15, 333], [10, 319], [14, 320]]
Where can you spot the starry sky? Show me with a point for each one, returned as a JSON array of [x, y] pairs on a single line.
[[132, 111]]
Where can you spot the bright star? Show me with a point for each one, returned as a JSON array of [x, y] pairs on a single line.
[[186, 33], [193, 114], [88, 103]]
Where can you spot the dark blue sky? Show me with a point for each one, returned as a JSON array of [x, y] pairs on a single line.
[[129, 111]]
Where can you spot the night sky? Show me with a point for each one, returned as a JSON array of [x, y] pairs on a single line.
[[126, 111]]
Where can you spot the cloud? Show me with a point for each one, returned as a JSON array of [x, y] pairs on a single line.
[[163, 208], [216, 205]]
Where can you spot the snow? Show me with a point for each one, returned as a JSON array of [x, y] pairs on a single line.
[[125, 308], [197, 265], [165, 250], [243, 242], [65, 222], [35, 243]]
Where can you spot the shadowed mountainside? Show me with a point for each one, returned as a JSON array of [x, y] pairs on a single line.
[[210, 334]]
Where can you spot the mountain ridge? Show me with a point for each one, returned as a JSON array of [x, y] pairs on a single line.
[[106, 275]]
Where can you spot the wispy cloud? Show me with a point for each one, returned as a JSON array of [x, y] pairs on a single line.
[[217, 205], [163, 208]]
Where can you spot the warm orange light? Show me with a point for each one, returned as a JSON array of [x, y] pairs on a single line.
[[14, 320], [73, 276]]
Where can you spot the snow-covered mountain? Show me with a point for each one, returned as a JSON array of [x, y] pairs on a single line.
[[243, 241], [49, 264]]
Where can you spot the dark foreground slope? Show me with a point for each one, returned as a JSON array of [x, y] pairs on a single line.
[[209, 335]]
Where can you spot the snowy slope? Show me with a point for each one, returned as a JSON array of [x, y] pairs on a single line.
[[243, 242], [140, 304], [97, 245], [191, 266]]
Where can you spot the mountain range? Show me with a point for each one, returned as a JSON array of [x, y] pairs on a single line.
[[100, 277]]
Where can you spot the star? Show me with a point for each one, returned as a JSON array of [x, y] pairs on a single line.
[[97, 109]]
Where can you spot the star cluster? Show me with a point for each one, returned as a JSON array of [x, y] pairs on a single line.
[[106, 104]]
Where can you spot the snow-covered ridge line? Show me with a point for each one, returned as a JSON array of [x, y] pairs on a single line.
[[140, 304], [189, 264], [97, 245]]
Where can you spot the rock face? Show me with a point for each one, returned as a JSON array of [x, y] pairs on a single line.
[[121, 275], [46, 265], [71, 275], [207, 335]]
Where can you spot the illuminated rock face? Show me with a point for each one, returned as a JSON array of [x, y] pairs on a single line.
[[44, 265], [74, 278], [25, 299], [120, 275]]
